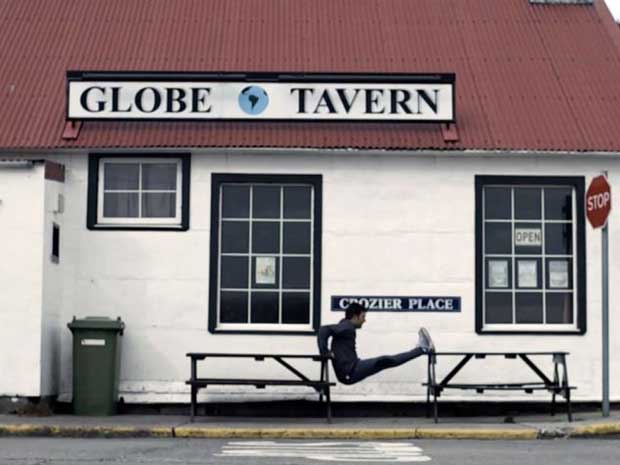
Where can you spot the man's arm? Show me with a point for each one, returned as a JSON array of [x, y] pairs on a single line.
[[327, 331]]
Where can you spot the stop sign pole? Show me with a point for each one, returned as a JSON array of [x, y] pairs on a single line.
[[598, 206]]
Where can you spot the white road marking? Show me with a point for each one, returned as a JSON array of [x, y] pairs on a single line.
[[327, 451]]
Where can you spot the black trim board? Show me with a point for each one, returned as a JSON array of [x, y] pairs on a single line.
[[216, 180], [285, 76], [578, 182], [93, 183]]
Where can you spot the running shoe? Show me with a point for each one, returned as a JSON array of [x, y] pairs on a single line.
[[425, 341]]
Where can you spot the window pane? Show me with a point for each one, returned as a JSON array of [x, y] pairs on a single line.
[[265, 237], [498, 307], [264, 307], [558, 238], [528, 203], [296, 307], [558, 203], [497, 203], [559, 308], [499, 273], [528, 238], [56, 242], [235, 201], [529, 273], [160, 205], [497, 238], [266, 202], [296, 273], [234, 307], [528, 307], [559, 273], [159, 176], [120, 205], [297, 237], [235, 237], [265, 272], [234, 272], [297, 202], [121, 176]]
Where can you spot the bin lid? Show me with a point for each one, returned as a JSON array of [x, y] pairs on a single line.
[[97, 322]]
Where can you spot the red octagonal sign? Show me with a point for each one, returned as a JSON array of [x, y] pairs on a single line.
[[598, 201]]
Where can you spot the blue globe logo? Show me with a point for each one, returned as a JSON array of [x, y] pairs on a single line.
[[253, 100]]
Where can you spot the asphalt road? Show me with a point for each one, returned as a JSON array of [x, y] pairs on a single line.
[[31, 451]]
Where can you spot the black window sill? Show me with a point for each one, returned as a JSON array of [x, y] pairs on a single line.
[[578, 332], [264, 332], [137, 228]]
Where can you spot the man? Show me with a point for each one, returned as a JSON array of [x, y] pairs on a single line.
[[347, 365]]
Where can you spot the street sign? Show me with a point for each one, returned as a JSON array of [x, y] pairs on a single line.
[[598, 201], [598, 206]]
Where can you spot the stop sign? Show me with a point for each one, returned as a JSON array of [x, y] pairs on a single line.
[[598, 201]]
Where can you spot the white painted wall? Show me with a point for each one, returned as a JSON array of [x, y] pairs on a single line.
[[21, 274], [51, 317], [393, 224]]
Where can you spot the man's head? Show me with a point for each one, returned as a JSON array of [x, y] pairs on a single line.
[[356, 313]]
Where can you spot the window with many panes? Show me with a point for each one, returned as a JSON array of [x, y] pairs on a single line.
[[266, 239], [147, 192], [530, 254]]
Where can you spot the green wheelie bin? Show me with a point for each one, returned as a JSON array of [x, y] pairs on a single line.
[[96, 364]]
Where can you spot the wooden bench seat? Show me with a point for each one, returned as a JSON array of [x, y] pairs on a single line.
[[259, 383]]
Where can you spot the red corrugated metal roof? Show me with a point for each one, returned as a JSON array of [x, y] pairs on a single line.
[[532, 77]]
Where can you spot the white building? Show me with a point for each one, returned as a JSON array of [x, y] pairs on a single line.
[[225, 234]]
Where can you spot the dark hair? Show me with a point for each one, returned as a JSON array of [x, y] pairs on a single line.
[[354, 309]]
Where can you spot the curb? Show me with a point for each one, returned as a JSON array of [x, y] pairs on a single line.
[[596, 430], [470, 433], [294, 433], [186, 432], [29, 430]]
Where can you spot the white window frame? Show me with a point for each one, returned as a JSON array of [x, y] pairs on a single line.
[[172, 222]]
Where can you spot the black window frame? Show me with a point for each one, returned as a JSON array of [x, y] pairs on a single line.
[[217, 179], [93, 191], [578, 183]]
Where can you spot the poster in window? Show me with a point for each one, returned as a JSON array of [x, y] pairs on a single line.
[[528, 273], [265, 270], [498, 273], [558, 274]]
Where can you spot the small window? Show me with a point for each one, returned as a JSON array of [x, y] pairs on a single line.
[[530, 267], [265, 253], [138, 193], [55, 243]]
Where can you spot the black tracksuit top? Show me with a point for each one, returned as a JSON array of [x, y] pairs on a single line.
[[343, 346]]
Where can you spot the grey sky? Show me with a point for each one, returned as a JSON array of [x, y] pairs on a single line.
[[614, 6]]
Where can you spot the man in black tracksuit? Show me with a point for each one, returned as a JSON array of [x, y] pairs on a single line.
[[348, 366]]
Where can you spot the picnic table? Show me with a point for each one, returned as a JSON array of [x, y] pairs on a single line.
[[556, 383]]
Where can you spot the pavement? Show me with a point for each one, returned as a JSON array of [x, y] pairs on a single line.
[[526, 427]]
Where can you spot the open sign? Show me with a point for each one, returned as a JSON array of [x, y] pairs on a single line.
[[528, 237]]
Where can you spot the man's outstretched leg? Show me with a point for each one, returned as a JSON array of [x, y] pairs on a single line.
[[365, 368]]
